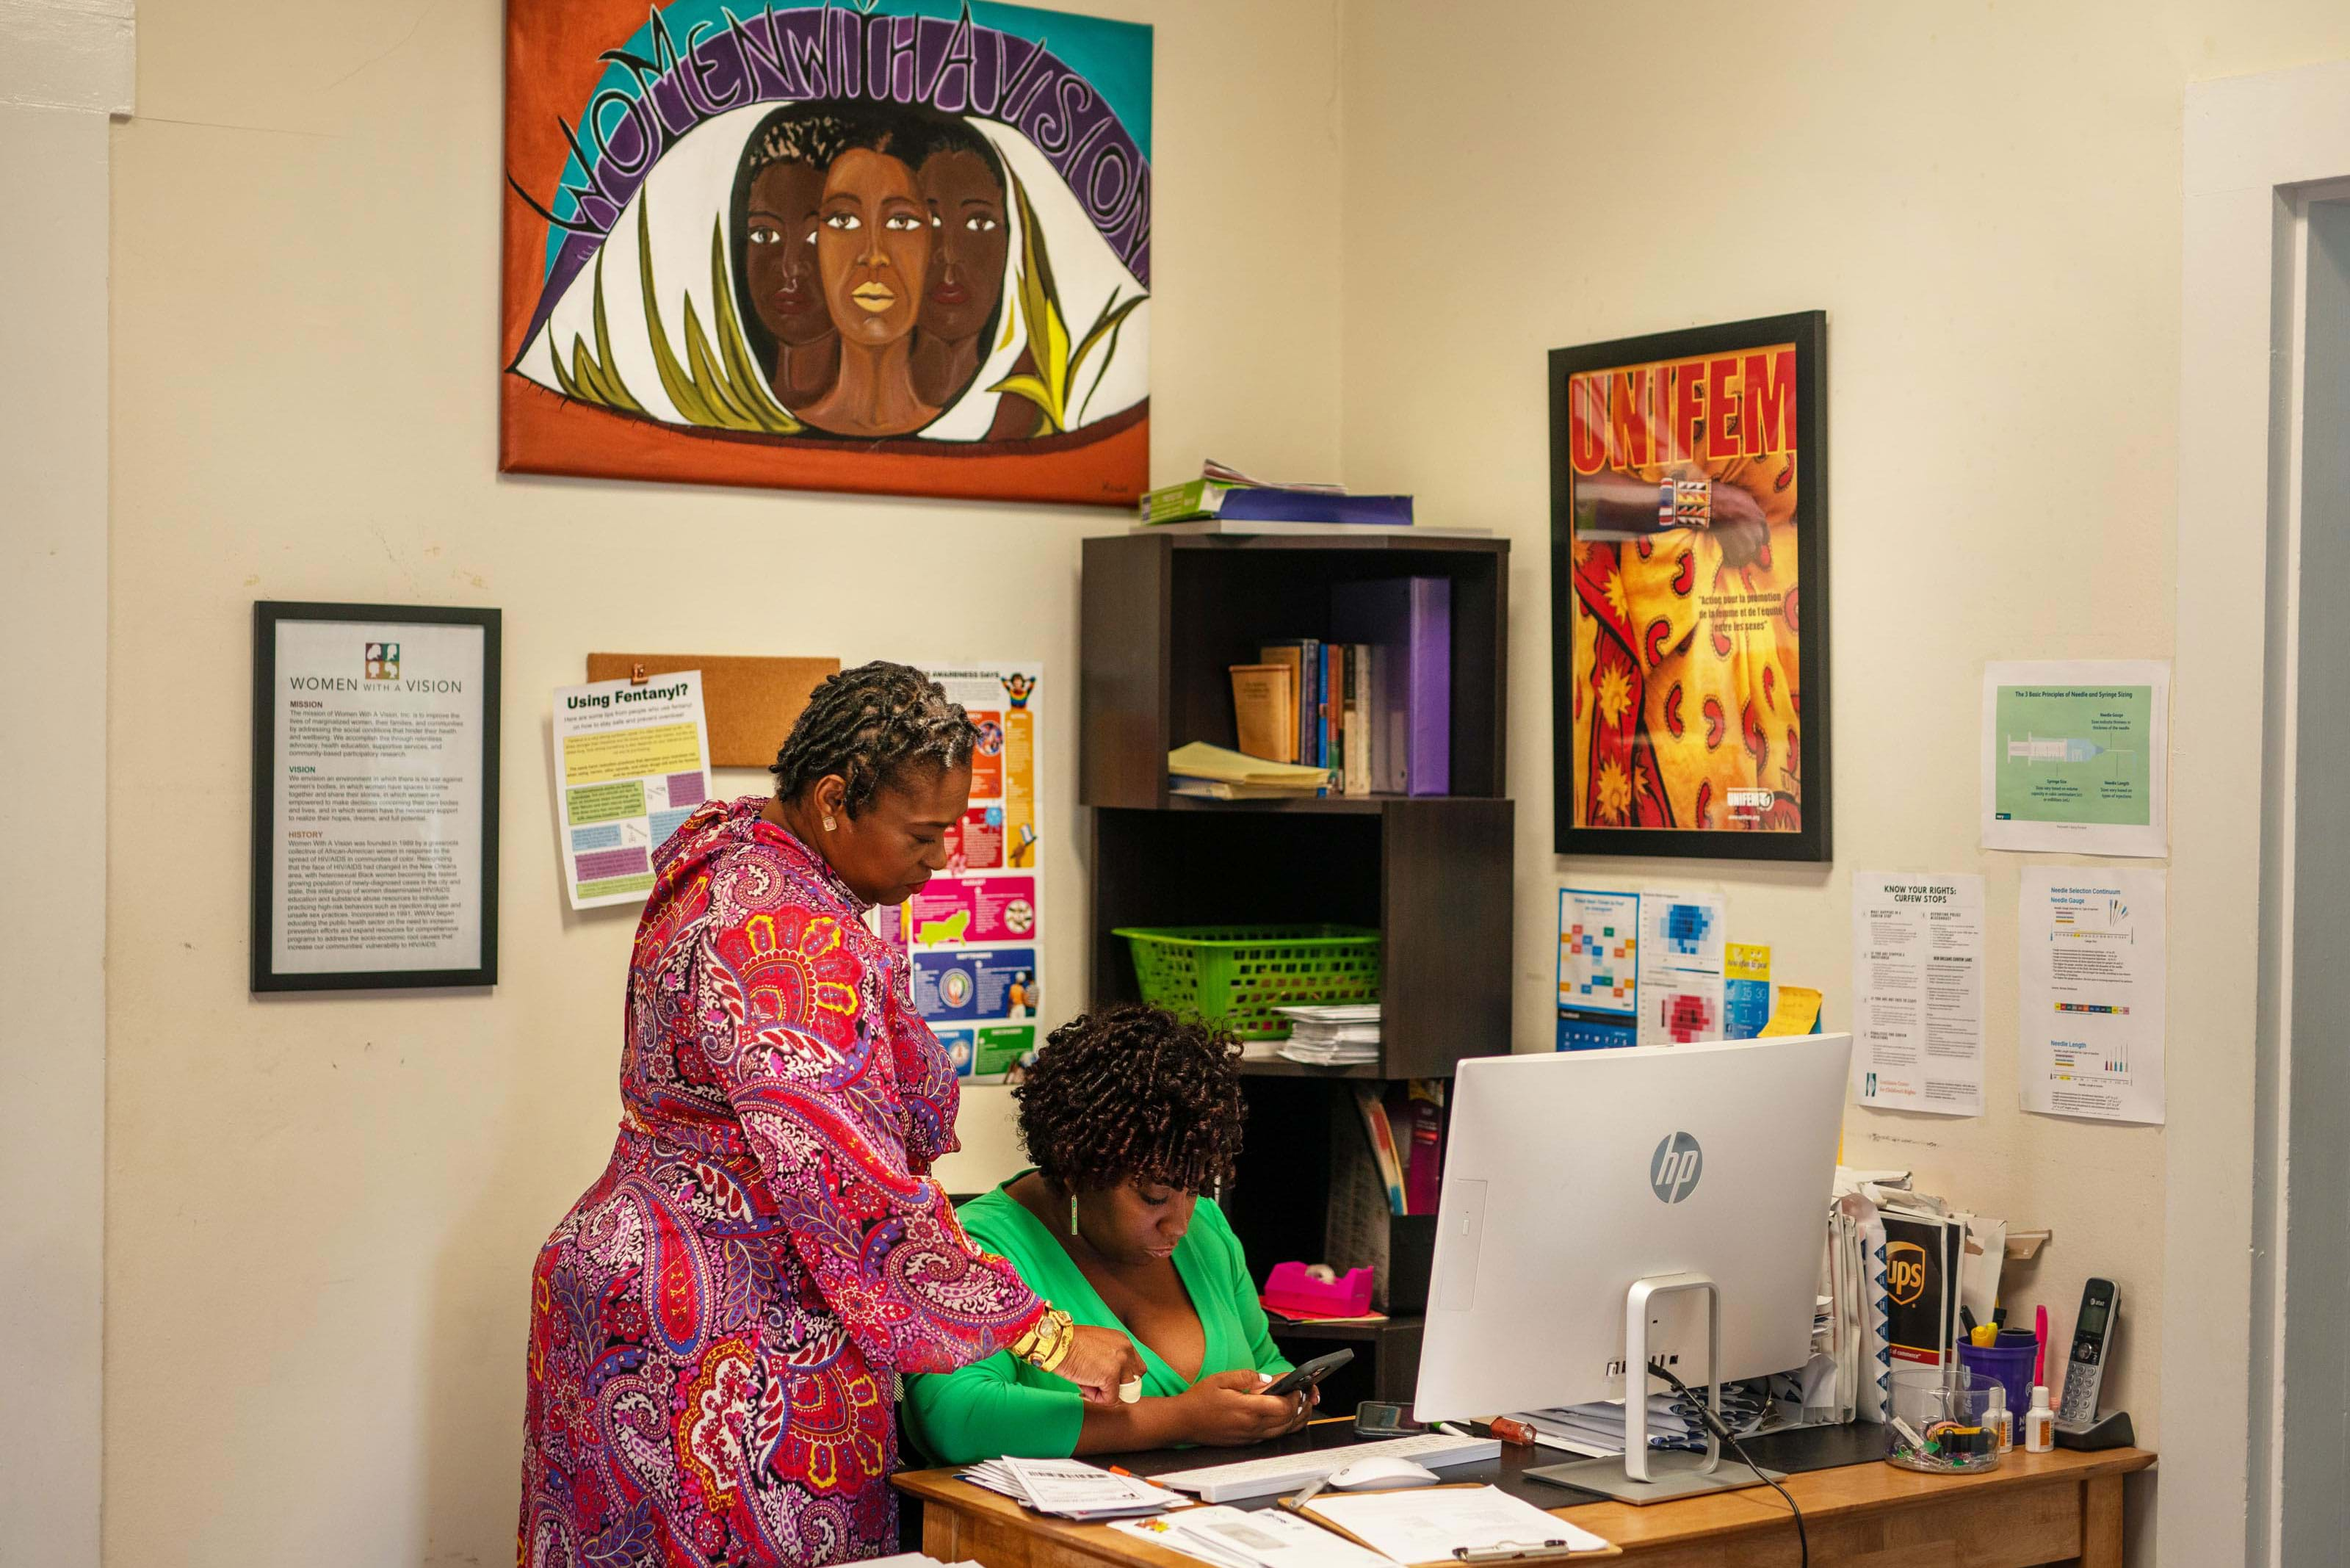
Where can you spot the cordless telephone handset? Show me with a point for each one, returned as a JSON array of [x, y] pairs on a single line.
[[2093, 1339]]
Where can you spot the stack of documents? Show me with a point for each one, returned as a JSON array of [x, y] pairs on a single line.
[[1452, 1524], [1071, 1489], [1597, 1431], [1332, 1035], [1233, 1538], [1217, 772]]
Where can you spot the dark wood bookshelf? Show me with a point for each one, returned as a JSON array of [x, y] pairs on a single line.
[[1161, 619]]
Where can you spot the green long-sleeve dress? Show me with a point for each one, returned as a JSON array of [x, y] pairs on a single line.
[[1001, 1405]]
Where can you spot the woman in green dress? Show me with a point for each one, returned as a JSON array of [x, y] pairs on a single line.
[[1133, 1120]]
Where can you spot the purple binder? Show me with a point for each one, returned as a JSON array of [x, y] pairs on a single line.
[[1409, 621]]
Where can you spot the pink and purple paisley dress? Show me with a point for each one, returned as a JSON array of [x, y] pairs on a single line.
[[717, 1326]]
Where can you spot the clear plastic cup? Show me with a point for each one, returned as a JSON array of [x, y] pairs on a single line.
[[1937, 1422]]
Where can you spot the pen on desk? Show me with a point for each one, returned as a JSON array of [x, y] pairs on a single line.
[[1303, 1497], [1509, 1552]]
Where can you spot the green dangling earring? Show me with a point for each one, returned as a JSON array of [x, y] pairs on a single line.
[[1072, 1210]]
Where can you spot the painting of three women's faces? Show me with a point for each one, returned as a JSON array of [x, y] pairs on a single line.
[[873, 259]]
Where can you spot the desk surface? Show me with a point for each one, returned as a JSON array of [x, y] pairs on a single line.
[[2036, 1508]]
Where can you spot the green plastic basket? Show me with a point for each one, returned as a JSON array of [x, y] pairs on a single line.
[[1234, 976]]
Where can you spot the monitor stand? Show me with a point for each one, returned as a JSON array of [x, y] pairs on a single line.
[[1644, 1475]]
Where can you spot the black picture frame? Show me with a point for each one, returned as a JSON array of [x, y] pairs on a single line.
[[1812, 840], [267, 615]]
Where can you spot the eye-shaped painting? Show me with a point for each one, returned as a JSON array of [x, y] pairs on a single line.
[[901, 247]]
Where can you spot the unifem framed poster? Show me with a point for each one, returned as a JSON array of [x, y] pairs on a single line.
[[375, 796], [1689, 592], [898, 246]]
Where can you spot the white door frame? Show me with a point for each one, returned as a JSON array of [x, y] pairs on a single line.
[[2252, 142], [66, 67]]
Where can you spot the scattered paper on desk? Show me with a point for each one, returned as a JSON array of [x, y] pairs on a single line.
[[1235, 1538], [1072, 1488], [2089, 999], [1430, 1523], [630, 763], [1918, 988]]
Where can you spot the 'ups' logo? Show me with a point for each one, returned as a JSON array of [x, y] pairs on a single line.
[[1905, 1272]]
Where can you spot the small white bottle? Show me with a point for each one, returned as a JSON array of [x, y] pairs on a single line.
[[1996, 1418], [2040, 1425]]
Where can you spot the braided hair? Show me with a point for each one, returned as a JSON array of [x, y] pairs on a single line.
[[1132, 1093], [872, 726]]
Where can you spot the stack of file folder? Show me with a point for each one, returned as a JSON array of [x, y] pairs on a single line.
[[1219, 774], [1333, 1035], [1072, 1488], [1597, 1431]]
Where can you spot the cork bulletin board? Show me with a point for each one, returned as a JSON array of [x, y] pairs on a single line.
[[748, 703]]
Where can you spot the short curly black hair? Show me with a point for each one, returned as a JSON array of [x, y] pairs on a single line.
[[1132, 1093], [872, 726]]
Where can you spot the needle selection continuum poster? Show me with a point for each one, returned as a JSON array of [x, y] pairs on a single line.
[[2076, 757], [2089, 996], [975, 934]]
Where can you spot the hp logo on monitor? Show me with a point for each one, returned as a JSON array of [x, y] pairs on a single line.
[[1678, 1164]]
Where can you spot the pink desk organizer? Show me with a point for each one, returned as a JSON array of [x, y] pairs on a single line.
[[1293, 1292]]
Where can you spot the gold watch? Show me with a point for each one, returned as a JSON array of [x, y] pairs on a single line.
[[1046, 1343]]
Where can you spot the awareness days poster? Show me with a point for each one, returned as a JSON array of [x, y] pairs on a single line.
[[975, 934]]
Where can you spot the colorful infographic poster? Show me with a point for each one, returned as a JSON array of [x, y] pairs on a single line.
[[630, 763], [1683, 968], [1598, 969], [973, 934], [1746, 990], [2076, 757]]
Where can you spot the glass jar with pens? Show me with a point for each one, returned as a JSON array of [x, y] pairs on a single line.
[[1938, 1421]]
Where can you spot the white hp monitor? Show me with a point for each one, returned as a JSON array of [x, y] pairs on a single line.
[[1675, 1195]]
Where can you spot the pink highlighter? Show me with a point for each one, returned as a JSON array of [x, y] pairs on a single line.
[[2039, 1360]]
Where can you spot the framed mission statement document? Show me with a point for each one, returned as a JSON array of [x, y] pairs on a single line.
[[375, 796]]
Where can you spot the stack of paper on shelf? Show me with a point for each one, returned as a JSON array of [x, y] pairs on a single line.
[[1071, 1489], [1332, 1035], [1220, 774], [1225, 494]]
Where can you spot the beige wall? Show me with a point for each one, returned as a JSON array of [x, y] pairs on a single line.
[[1986, 201], [327, 1207], [322, 1210], [53, 930]]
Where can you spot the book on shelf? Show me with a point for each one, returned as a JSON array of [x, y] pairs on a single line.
[[1224, 493], [1263, 698], [1408, 621]]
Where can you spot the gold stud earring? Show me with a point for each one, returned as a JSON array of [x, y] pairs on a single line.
[[829, 825]]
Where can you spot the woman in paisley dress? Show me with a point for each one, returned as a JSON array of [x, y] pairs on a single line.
[[718, 1326]]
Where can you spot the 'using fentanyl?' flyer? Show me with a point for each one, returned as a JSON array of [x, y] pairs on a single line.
[[632, 762]]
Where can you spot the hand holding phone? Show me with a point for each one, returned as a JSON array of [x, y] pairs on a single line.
[[1310, 1376]]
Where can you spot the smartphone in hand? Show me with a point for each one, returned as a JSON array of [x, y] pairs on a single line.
[[1310, 1375]]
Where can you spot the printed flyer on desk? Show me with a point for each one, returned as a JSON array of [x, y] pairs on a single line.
[[974, 935], [632, 762]]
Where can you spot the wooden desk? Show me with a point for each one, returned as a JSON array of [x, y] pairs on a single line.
[[2058, 1508]]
